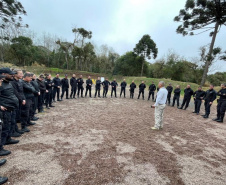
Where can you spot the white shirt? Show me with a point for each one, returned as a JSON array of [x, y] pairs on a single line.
[[161, 96]]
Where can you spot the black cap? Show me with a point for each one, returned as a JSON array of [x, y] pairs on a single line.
[[7, 70]]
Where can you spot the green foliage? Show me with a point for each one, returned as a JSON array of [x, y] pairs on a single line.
[[217, 78]]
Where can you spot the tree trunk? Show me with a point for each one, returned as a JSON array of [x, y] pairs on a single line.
[[66, 60], [142, 69], [207, 64]]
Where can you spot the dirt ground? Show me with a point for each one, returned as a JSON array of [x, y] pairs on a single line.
[[110, 141]]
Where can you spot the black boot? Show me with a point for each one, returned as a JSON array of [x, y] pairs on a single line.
[[220, 120], [3, 180], [2, 162], [4, 152], [180, 108], [25, 129], [15, 134], [215, 119], [11, 141], [206, 116], [19, 131]]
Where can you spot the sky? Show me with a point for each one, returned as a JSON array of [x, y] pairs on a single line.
[[120, 24]]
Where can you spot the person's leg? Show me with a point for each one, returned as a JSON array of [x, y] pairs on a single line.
[[50, 98], [174, 99], [219, 109], [111, 91], [178, 101], [90, 92], [198, 106], [121, 93], [161, 113], [157, 117], [115, 93], [222, 110], [139, 95], [86, 91], [153, 95], [106, 92], [187, 103], [183, 103], [66, 92], [82, 91], [58, 94], [99, 92], [169, 98], [78, 91], [54, 93], [149, 95], [143, 94], [72, 91], [62, 93], [95, 93]]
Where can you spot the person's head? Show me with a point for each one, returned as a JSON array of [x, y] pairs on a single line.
[[27, 77], [98, 78], [188, 86], [178, 87], [7, 73], [132, 81], [34, 77], [142, 82], [124, 80], [74, 75], [57, 75], [48, 76], [199, 88], [89, 77], [65, 76], [19, 74], [41, 77], [114, 79], [80, 76], [170, 84], [161, 84], [152, 82], [224, 85], [211, 86]]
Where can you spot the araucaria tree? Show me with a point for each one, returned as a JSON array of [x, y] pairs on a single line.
[[204, 15], [146, 48]]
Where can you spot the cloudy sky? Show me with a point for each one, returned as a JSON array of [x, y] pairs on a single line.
[[120, 24]]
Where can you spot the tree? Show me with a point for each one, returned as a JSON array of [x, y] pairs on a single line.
[[203, 15], [9, 10], [146, 48]]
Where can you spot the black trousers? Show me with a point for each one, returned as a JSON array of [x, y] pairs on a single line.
[[56, 91], [131, 93], [123, 90], [141, 92], [13, 123], [88, 89], [176, 98], [113, 90], [41, 101], [63, 91], [186, 102], [6, 126], [151, 93], [169, 98], [35, 104], [18, 113], [105, 91], [207, 107], [80, 89], [73, 91], [48, 98], [221, 108], [26, 112], [97, 91], [198, 103]]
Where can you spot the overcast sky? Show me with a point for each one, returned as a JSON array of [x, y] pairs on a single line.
[[119, 23]]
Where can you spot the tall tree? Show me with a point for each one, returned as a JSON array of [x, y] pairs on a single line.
[[205, 15], [146, 48]]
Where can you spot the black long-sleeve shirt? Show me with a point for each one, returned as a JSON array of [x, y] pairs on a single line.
[[73, 82], [142, 87], [210, 95], [89, 83], [123, 84], [18, 89], [152, 87], [199, 94], [29, 90], [65, 83], [80, 82], [169, 89], [222, 94], [114, 84], [57, 82], [133, 86], [188, 92], [106, 83], [98, 84], [42, 86], [177, 92]]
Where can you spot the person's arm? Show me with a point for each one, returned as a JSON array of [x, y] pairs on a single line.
[[154, 87], [214, 96], [159, 97]]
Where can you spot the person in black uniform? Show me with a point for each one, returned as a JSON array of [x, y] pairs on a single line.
[[89, 84], [142, 87], [114, 86], [8, 103], [176, 96], [188, 92], [42, 87], [73, 83], [152, 89], [56, 87], [80, 86], [49, 90], [221, 106], [132, 88], [105, 84], [209, 97], [35, 99], [123, 88], [65, 86], [198, 97], [98, 84], [169, 88]]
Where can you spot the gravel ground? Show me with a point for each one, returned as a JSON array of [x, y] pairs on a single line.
[[110, 141]]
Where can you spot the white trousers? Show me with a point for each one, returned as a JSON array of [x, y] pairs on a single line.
[[159, 110]]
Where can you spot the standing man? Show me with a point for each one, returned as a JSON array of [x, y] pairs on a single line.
[[221, 106], [132, 88], [142, 86], [152, 89], [42, 87], [80, 86], [114, 85], [176, 96], [123, 88], [169, 88], [209, 97], [89, 84], [35, 100], [188, 92], [98, 84], [105, 84], [49, 85], [73, 83], [65, 87], [198, 97], [159, 106], [56, 87]]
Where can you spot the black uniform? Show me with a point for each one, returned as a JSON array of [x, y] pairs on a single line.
[[73, 83], [98, 84], [198, 97], [57, 82], [114, 85], [221, 106], [105, 84], [210, 96], [123, 89], [176, 96], [141, 90], [35, 99], [65, 87], [188, 92], [42, 87], [152, 89], [132, 88], [10, 102], [89, 84], [49, 87], [80, 86], [170, 90]]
